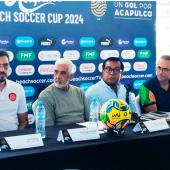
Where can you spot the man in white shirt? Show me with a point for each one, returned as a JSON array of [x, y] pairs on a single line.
[[109, 87], [13, 108]]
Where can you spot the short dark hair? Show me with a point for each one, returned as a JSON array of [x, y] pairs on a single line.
[[114, 59], [165, 57], [4, 53]]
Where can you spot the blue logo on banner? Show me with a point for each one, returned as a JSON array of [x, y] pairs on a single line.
[[24, 41], [85, 86], [4, 42], [87, 42], [138, 83], [29, 91], [67, 41], [140, 42], [124, 42]]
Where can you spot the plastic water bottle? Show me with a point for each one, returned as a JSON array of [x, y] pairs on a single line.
[[40, 119], [94, 111]]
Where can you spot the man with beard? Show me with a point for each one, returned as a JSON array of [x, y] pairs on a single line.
[[64, 103], [13, 108], [109, 86], [155, 93]]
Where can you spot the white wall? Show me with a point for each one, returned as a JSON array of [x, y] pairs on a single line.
[[163, 27]]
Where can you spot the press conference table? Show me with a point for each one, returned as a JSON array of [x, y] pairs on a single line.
[[130, 151]]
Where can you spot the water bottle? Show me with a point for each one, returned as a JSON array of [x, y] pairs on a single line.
[[40, 119], [94, 111]]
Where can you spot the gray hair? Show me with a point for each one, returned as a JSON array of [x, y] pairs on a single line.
[[165, 57], [67, 62]]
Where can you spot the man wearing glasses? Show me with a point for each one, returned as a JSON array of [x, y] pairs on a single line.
[[109, 86], [13, 108], [155, 93]]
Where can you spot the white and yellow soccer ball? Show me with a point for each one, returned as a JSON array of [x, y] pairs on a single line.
[[115, 114]]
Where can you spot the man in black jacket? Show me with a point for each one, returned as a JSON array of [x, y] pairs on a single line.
[[155, 93]]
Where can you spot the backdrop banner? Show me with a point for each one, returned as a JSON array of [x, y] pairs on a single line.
[[37, 33]]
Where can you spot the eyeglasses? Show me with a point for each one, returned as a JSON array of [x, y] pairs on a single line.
[[164, 70], [112, 70], [5, 66]]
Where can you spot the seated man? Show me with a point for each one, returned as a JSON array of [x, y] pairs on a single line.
[[64, 103], [109, 86], [155, 93], [13, 108]]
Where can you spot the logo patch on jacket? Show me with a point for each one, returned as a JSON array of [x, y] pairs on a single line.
[[12, 96]]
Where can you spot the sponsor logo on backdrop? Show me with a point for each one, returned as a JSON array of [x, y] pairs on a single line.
[[98, 8], [137, 84], [132, 10], [89, 55], [123, 42], [106, 42], [74, 68], [25, 70], [49, 55], [47, 41], [100, 67], [127, 66], [11, 55], [29, 91], [144, 54], [46, 69], [25, 55], [85, 86], [140, 42], [67, 42], [4, 42], [128, 54], [140, 66], [24, 8], [87, 68], [24, 41], [87, 42], [71, 54], [104, 54], [29, 104], [10, 71]]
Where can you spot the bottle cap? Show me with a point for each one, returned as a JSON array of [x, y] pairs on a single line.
[[40, 103], [94, 99]]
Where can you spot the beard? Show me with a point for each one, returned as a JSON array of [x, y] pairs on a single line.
[[61, 85], [111, 84], [3, 77]]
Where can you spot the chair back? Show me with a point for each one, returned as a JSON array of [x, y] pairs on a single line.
[[34, 105], [137, 105]]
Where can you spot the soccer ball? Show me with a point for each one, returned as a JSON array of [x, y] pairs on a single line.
[[115, 114]]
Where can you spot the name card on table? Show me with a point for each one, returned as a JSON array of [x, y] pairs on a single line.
[[78, 134], [21, 142], [156, 125], [151, 125], [100, 126]]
